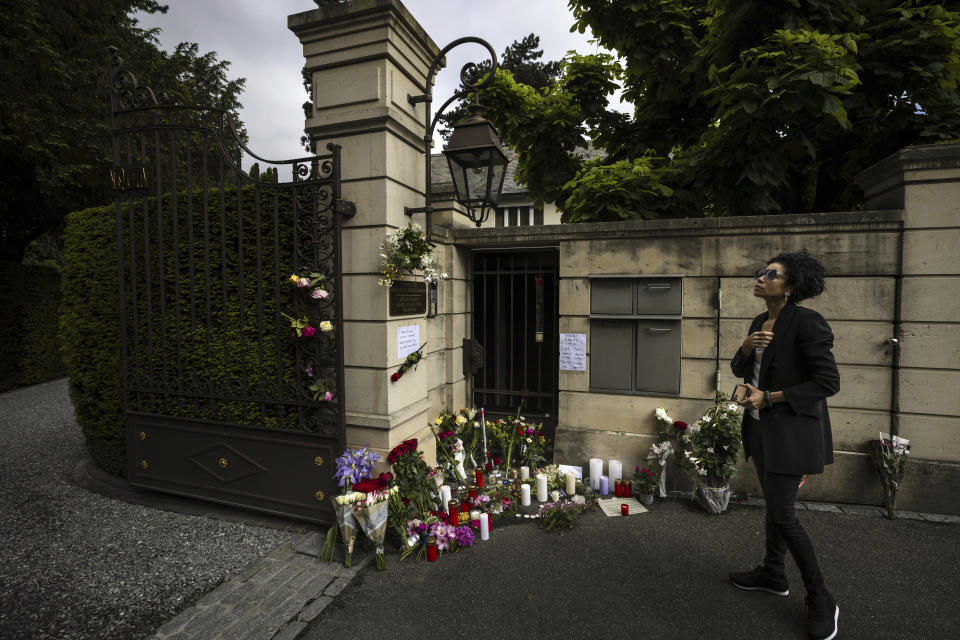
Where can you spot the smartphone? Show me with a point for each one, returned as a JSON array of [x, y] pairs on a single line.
[[740, 393]]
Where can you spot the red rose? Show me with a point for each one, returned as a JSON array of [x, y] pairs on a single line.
[[394, 377], [679, 424], [496, 461], [488, 466]]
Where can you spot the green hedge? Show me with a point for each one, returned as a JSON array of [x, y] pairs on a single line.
[[29, 298], [210, 352]]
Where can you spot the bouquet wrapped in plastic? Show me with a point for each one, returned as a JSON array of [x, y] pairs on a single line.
[[343, 507], [371, 513]]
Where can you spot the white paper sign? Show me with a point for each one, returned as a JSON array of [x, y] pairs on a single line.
[[577, 471], [573, 352], [408, 340]]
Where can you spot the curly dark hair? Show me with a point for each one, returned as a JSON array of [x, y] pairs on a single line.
[[804, 274]]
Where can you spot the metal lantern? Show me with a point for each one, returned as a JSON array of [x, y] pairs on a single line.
[[477, 164]]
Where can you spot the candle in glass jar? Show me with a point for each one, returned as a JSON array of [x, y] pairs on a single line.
[[453, 508], [624, 509], [478, 474], [524, 473], [489, 521], [555, 495], [604, 485], [465, 507], [431, 549], [627, 489], [571, 483], [614, 470], [475, 518], [525, 495], [484, 527], [596, 470], [618, 488], [472, 491], [541, 487]]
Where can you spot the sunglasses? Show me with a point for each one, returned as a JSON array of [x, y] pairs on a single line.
[[768, 274]]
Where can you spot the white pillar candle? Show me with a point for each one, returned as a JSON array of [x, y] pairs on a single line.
[[614, 471], [474, 515], [444, 497], [541, 487], [484, 526], [571, 483], [525, 495], [555, 495], [596, 470], [524, 473]]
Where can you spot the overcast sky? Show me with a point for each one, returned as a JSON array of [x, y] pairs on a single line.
[[253, 36]]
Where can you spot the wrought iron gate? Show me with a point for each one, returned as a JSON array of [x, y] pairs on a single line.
[[230, 309], [515, 320]]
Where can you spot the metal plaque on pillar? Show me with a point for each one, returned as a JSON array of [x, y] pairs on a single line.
[[408, 298]]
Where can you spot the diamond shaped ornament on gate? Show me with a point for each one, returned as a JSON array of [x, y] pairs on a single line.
[[225, 463]]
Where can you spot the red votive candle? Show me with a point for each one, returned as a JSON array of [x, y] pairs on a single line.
[[431, 549], [627, 490], [472, 491], [489, 521], [465, 507], [624, 509], [453, 508], [478, 474], [618, 488]]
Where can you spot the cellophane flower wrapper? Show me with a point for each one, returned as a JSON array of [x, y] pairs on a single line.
[[348, 529], [373, 522]]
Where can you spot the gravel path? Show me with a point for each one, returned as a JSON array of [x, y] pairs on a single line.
[[79, 565]]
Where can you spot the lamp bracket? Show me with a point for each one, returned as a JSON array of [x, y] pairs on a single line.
[[412, 210]]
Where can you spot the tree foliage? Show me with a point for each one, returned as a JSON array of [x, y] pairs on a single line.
[[54, 107], [739, 106]]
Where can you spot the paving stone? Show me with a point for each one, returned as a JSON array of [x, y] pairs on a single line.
[[857, 510], [277, 597], [210, 622], [315, 608], [249, 618], [336, 587], [218, 594], [310, 582], [938, 517], [909, 515], [291, 631], [816, 506], [267, 574], [253, 568]]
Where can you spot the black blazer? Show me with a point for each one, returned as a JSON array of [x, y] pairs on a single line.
[[796, 434]]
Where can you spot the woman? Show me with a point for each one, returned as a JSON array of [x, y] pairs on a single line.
[[789, 370]]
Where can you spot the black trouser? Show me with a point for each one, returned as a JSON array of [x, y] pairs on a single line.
[[783, 530]]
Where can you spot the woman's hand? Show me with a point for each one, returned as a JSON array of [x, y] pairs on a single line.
[[756, 340], [754, 399]]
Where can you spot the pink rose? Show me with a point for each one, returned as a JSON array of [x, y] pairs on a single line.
[[308, 332], [327, 397]]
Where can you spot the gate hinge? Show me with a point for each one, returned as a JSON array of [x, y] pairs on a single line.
[[346, 208]]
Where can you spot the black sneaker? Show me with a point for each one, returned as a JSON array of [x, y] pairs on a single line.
[[761, 579], [822, 615]]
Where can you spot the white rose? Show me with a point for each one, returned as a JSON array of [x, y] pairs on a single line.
[[529, 440], [709, 449], [461, 420], [326, 326]]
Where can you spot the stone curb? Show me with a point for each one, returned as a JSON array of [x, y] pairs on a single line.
[[273, 598]]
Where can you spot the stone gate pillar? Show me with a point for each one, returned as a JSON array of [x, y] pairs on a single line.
[[366, 57]]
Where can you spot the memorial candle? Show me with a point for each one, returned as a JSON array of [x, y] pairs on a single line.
[[484, 527], [618, 488], [444, 494], [614, 470], [475, 518], [431, 549], [596, 469], [525, 495], [478, 474], [624, 509], [555, 495], [524, 473], [472, 491], [453, 509], [541, 487], [604, 485], [627, 489], [571, 483]]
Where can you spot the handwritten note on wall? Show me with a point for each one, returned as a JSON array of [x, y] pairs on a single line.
[[573, 352], [408, 340]]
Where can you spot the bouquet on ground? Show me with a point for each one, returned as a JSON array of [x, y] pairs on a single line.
[[372, 513], [447, 536], [889, 456], [354, 466], [560, 515], [417, 488], [714, 443]]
